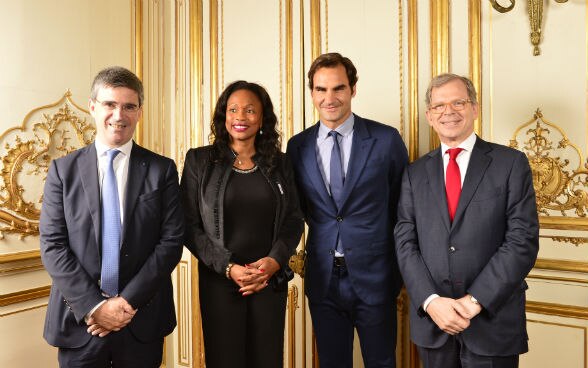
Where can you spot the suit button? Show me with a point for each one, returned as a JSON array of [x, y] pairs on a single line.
[[339, 218], [452, 249], [446, 282], [331, 252]]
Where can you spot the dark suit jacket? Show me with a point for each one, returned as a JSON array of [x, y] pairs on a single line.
[[71, 249], [367, 213], [487, 251]]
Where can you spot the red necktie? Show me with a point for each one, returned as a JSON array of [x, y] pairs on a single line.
[[452, 182]]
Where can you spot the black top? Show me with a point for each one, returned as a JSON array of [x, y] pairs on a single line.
[[249, 210]]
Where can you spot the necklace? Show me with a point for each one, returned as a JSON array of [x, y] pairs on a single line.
[[247, 171], [236, 158]]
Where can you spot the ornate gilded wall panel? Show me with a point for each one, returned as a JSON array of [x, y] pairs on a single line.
[[47, 132], [560, 172]]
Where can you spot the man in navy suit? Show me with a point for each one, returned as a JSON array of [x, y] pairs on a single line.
[[111, 309], [348, 171], [466, 238]]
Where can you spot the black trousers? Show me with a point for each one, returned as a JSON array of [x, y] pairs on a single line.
[[241, 331], [117, 350], [455, 354]]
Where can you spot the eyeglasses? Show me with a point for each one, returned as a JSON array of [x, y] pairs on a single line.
[[456, 105], [111, 106]]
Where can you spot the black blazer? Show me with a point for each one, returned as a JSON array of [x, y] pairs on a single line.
[[487, 251], [71, 251], [203, 185]]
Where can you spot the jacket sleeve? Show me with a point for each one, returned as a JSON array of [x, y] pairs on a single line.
[[417, 278], [291, 227], [78, 288], [508, 267], [196, 239]]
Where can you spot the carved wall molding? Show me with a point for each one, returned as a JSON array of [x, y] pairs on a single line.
[[554, 309], [291, 314], [47, 132], [560, 172], [24, 295], [567, 239]]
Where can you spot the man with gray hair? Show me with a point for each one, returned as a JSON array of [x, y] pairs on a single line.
[[466, 238], [111, 234]]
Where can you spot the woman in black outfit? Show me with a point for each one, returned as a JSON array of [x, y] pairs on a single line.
[[243, 223]]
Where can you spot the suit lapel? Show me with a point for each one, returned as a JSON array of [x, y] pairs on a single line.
[[436, 178], [310, 163], [360, 150], [479, 162], [88, 168], [138, 166]]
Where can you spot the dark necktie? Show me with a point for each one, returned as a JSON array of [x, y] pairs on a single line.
[[336, 171], [337, 178], [110, 229], [452, 182]]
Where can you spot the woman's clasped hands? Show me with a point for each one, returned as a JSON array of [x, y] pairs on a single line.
[[254, 277]]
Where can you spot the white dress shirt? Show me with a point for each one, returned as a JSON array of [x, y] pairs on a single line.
[[121, 170]]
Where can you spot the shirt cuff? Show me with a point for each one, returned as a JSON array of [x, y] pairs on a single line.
[[89, 315], [428, 301]]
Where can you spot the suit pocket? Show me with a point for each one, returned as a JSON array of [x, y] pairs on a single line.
[[150, 196]]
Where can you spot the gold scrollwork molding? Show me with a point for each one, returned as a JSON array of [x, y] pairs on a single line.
[[535, 9], [296, 262], [560, 172], [567, 239], [46, 133]]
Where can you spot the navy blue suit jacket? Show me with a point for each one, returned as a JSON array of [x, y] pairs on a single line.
[[487, 251], [366, 216], [71, 246]]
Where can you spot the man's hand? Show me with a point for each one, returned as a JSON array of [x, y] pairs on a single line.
[[448, 314], [471, 309], [113, 315]]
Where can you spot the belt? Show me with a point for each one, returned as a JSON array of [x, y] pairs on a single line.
[[339, 261]]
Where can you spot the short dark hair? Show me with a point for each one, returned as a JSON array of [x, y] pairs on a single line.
[[117, 76], [267, 145], [332, 60], [445, 78]]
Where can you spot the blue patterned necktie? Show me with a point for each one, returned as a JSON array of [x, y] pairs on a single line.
[[336, 169], [110, 229], [337, 179]]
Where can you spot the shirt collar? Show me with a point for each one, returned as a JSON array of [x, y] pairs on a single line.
[[467, 144], [344, 129], [101, 148]]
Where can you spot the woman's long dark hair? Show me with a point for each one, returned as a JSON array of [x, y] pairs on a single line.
[[267, 145]]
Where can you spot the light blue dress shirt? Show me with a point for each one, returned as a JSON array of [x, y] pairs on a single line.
[[324, 147]]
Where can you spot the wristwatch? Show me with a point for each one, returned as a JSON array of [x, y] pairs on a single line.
[[474, 300]]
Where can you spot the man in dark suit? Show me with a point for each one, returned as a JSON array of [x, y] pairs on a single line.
[[466, 238], [111, 234], [348, 171]]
